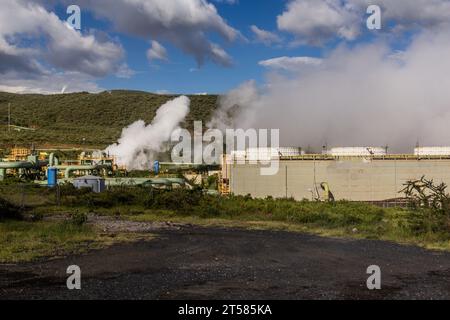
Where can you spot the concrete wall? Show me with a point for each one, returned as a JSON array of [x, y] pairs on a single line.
[[355, 179]]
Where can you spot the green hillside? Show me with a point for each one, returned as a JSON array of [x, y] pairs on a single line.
[[84, 119]]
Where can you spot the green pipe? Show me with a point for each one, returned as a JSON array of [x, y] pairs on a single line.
[[69, 169], [76, 168], [160, 181], [179, 181], [53, 160], [131, 181], [17, 165], [22, 165]]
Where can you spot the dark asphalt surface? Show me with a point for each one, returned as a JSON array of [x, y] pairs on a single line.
[[211, 263]]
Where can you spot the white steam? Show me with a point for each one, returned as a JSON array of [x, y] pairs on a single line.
[[365, 95], [139, 142]]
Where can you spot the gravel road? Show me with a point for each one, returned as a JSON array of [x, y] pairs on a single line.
[[214, 263]]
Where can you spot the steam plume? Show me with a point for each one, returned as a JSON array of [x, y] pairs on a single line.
[[139, 142], [363, 95]]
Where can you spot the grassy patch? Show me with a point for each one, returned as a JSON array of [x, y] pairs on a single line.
[[85, 119], [25, 241], [343, 218], [392, 228]]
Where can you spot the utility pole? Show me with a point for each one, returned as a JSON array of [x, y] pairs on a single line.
[[9, 117]]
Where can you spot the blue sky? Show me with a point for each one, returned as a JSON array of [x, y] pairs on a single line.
[[189, 46], [321, 76], [181, 74]]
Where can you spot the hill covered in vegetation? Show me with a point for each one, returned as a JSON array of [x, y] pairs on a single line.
[[84, 119]]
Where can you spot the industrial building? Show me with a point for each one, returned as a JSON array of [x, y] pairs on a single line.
[[355, 174], [96, 184]]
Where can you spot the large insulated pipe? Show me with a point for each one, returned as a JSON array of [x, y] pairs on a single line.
[[53, 160], [180, 181], [17, 165], [160, 181], [20, 165], [169, 182], [69, 169], [79, 168], [23, 165]]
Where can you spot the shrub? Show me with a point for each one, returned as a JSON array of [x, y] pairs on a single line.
[[180, 200], [78, 218], [8, 210], [37, 216]]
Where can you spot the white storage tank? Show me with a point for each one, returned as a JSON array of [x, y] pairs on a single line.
[[238, 155], [290, 151], [260, 154], [432, 151], [356, 151], [266, 154]]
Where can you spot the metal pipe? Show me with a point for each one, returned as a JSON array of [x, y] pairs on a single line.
[[69, 169], [20, 165], [23, 165], [53, 160], [81, 168]]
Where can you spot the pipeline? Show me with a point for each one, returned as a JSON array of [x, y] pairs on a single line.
[[32, 163], [22, 165], [328, 194], [53, 160], [69, 169]]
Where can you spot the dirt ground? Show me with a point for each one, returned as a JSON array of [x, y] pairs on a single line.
[[211, 263]]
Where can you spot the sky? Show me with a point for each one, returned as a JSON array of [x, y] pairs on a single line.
[[189, 46], [324, 72]]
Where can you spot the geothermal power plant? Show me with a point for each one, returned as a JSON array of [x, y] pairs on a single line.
[[355, 174], [368, 174]]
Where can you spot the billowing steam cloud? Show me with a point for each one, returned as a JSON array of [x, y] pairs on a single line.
[[139, 142], [365, 95]]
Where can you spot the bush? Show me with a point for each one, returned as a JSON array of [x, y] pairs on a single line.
[[37, 216], [180, 200], [8, 210], [78, 218], [117, 196]]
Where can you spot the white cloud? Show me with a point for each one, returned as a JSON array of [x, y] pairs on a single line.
[[316, 21], [220, 56], [312, 21], [125, 72], [290, 63], [64, 47], [184, 23], [265, 36], [50, 84], [36, 47], [157, 52], [407, 13]]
